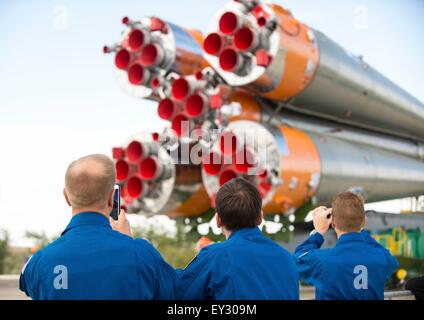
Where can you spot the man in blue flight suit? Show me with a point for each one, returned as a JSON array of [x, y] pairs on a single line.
[[91, 260], [247, 265], [357, 267]]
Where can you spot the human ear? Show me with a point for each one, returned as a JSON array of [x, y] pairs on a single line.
[[218, 220], [260, 218], [110, 199], [66, 197]]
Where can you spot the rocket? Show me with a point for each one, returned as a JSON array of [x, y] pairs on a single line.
[[265, 97], [267, 49]]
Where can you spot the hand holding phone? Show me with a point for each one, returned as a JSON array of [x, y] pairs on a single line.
[[122, 225], [116, 203]]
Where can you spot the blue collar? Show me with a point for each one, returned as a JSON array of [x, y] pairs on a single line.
[[351, 236], [245, 233], [87, 218]]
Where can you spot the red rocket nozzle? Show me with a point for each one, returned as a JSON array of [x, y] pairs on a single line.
[[136, 74], [226, 176], [166, 109], [212, 44], [228, 143], [122, 59], [229, 60], [212, 163], [155, 82], [136, 39], [195, 105], [263, 174], [117, 153], [149, 168], [180, 89], [244, 39], [122, 170], [134, 151], [179, 123], [228, 22], [134, 187], [157, 24], [245, 159], [125, 20], [151, 55], [261, 21], [199, 75]]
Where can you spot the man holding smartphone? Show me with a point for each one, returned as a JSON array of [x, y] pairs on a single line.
[[358, 267], [91, 260]]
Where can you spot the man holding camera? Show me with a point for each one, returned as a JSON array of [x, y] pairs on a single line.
[[358, 267]]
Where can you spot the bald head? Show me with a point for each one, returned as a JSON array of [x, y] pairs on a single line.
[[89, 181]]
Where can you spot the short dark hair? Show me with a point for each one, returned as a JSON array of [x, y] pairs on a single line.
[[348, 211], [238, 204]]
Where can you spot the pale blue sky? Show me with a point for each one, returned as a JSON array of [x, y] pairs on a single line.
[[59, 98]]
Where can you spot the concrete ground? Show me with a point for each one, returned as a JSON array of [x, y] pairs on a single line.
[[9, 290]]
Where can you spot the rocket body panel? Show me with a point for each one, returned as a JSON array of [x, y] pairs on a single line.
[[347, 88], [380, 174], [250, 109], [325, 128], [188, 50], [312, 165], [290, 62], [321, 119]]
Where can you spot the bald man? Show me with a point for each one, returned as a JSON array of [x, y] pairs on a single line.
[[91, 259]]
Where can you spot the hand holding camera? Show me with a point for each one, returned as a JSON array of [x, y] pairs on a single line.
[[322, 219]]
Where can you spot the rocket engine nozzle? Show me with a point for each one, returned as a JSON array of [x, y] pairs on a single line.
[[136, 39], [195, 105], [213, 44], [135, 188], [240, 152], [122, 59], [122, 170], [152, 169], [159, 48], [212, 163], [137, 75], [181, 125], [189, 101], [228, 23], [153, 55], [180, 89], [235, 38], [166, 109], [156, 180], [144, 169]]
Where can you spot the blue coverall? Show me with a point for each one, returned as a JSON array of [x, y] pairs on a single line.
[[92, 261], [357, 268], [246, 266]]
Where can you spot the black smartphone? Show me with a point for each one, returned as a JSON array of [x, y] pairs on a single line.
[[116, 202]]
